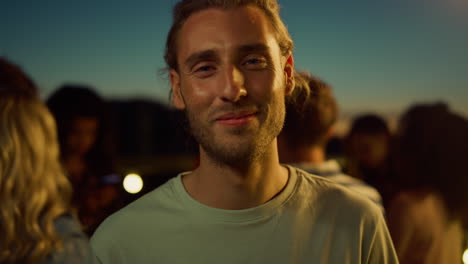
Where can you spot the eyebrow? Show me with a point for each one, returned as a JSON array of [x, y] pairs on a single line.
[[258, 47]]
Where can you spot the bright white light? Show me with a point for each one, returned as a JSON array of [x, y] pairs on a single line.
[[133, 183], [465, 256]]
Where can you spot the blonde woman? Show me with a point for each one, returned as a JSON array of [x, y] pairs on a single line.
[[35, 221]]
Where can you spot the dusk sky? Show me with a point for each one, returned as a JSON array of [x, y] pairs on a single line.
[[378, 55]]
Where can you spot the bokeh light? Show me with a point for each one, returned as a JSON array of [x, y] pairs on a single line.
[[465, 256], [133, 183]]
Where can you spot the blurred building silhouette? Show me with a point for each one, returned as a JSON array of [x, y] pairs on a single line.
[[152, 141]]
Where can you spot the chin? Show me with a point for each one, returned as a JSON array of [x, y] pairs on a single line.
[[234, 152]]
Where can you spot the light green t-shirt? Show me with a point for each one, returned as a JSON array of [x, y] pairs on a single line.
[[313, 220]]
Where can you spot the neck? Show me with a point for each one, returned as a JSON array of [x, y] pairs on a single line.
[[237, 187]]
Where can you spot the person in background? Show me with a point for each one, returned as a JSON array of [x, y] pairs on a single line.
[[36, 220], [311, 113], [231, 67], [86, 152], [426, 217], [368, 153]]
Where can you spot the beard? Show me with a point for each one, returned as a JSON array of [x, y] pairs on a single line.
[[239, 146]]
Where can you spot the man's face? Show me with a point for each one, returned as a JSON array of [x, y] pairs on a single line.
[[231, 82], [82, 135], [371, 150]]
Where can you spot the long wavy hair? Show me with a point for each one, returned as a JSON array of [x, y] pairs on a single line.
[[34, 191]]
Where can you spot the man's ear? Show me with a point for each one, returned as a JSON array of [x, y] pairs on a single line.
[[289, 74], [177, 98]]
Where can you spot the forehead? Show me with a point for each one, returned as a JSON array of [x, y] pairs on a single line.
[[225, 29], [84, 122]]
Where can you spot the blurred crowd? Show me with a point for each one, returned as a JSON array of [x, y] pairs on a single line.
[[58, 176]]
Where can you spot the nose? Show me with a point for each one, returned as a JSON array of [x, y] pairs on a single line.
[[233, 88]]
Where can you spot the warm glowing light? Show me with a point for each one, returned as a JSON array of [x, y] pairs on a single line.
[[465, 256], [133, 183]]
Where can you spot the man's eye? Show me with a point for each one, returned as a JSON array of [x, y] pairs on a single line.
[[204, 68], [255, 63], [204, 71]]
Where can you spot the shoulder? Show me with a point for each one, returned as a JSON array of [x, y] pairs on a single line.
[[75, 245], [344, 211], [136, 218], [411, 201], [159, 198], [323, 187], [417, 206], [359, 186], [66, 225], [332, 196]]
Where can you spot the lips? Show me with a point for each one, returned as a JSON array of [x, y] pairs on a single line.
[[235, 119], [239, 115]]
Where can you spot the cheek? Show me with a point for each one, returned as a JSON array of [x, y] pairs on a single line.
[[200, 95], [202, 91], [72, 140], [195, 92], [90, 139], [263, 82]]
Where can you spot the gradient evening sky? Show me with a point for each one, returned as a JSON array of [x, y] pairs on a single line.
[[379, 55]]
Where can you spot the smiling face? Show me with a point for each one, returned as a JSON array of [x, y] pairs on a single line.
[[231, 82]]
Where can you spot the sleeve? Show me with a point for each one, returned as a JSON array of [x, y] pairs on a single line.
[[381, 249]]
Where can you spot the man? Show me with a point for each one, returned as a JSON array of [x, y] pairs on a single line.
[[231, 67], [311, 113], [368, 155]]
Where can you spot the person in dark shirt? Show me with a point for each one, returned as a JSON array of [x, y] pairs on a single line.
[[87, 155]]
